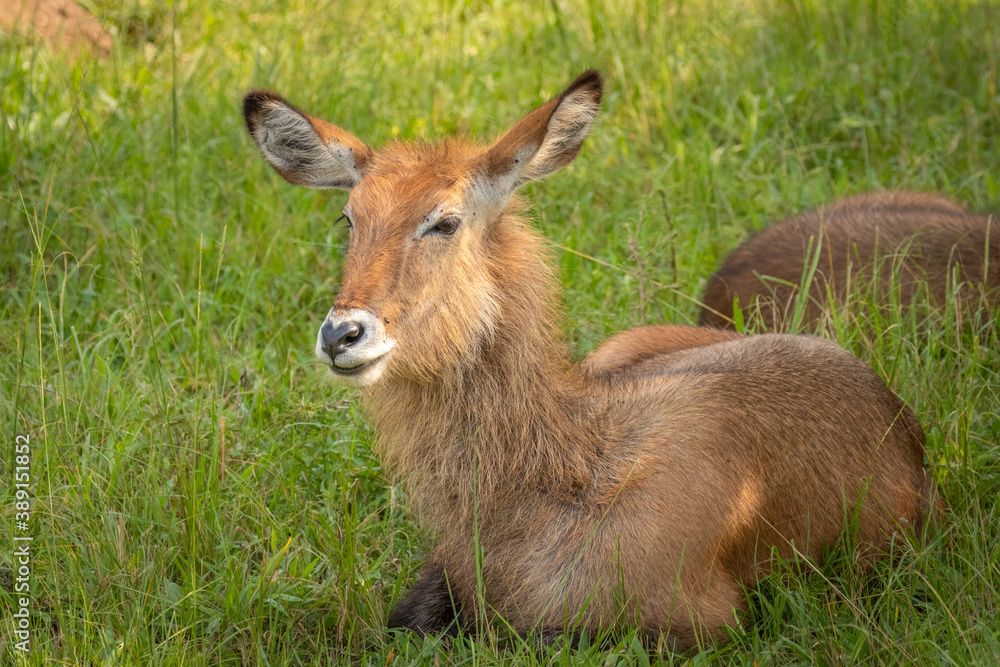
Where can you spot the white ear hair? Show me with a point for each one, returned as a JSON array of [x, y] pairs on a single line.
[[304, 150], [568, 127], [545, 140]]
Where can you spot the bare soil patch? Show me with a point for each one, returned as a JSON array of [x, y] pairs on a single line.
[[62, 23]]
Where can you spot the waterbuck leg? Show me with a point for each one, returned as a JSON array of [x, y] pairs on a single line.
[[429, 607]]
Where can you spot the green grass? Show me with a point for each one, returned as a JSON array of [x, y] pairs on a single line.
[[201, 497]]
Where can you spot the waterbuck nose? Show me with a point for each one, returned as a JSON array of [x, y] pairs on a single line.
[[338, 338]]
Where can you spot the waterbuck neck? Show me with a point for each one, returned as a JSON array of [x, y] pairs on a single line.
[[513, 421]]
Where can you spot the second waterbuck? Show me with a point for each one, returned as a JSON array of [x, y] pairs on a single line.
[[897, 246], [645, 486]]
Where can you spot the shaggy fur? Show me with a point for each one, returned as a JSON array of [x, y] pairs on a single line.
[[909, 238], [646, 485]]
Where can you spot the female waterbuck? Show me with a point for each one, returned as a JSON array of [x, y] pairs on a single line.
[[882, 241], [645, 485]]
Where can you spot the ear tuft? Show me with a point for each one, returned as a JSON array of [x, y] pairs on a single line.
[[253, 106], [590, 83]]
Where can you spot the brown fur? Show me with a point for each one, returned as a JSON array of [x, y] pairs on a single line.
[[911, 238], [629, 348], [652, 481]]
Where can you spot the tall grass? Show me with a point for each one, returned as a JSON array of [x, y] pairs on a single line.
[[200, 497]]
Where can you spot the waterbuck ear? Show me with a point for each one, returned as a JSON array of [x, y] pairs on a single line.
[[548, 138], [305, 150]]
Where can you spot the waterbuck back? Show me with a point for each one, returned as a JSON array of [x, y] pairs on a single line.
[[644, 486], [878, 243]]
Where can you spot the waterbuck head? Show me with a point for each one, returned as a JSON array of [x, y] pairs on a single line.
[[424, 270]]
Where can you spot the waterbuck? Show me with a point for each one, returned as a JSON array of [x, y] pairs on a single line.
[[885, 241], [644, 486]]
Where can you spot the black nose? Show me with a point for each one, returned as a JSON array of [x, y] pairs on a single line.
[[339, 338]]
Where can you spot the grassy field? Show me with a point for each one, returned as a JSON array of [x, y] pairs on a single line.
[[201, 496]]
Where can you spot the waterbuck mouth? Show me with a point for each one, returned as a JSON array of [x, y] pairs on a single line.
[[363, 373], [354, 345], [356, 369]]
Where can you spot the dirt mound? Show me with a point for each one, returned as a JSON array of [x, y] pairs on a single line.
[[62, 23]]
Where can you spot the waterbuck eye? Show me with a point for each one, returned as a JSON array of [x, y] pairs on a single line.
[[447, 225], [343, 216]]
